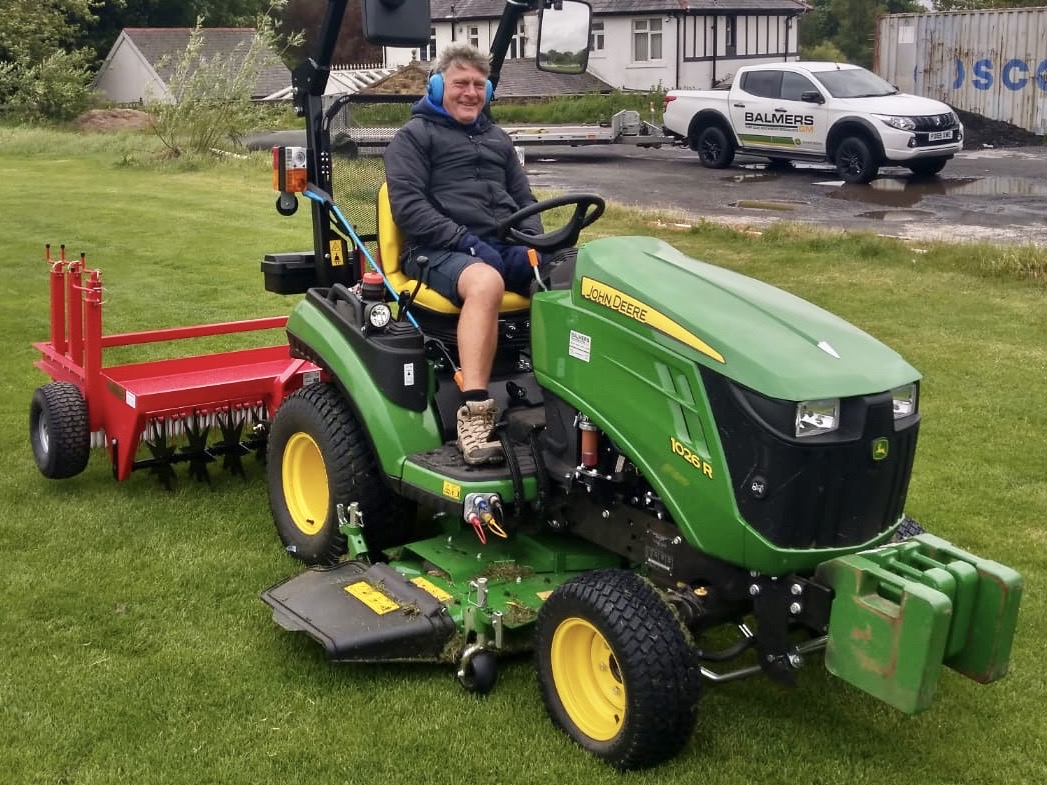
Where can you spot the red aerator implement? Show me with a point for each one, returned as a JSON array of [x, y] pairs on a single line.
[[148, 404]]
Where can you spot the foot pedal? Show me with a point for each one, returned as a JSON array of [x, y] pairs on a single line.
[[363, 612]]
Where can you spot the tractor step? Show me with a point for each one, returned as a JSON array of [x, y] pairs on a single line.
[[363, 612], [902, 611]]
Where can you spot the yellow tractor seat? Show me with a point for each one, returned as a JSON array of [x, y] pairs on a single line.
[[390, 246]]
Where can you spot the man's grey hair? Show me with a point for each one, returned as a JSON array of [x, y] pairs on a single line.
[[463, 55]]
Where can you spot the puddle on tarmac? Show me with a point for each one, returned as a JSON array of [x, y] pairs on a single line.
[[751, 177], [906, 192], [898, 216], [758, 204]]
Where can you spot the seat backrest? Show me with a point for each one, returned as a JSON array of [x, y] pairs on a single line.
[[390, 247]]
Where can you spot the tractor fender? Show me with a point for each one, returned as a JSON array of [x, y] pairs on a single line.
[[394, 428]]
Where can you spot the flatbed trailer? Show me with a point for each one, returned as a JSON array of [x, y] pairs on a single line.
[[625, 127]]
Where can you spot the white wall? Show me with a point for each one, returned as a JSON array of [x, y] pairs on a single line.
[[128, 78]]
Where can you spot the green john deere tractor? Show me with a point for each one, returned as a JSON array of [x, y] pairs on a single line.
[[705, 475]]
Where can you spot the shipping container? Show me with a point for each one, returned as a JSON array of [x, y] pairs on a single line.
[[991, 62]]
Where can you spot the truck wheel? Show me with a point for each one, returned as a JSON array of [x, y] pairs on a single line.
[[59, 430], [715, 150], [318, 457], [854, 161], [927, 167], [616, 670]]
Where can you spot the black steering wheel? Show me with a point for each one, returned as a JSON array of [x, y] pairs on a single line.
[[587, 208]]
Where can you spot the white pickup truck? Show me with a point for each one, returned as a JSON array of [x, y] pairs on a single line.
[[815, 111]]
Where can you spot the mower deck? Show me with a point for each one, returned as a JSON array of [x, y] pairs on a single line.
[[410, 608]]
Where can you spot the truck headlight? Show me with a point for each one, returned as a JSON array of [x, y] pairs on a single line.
[[897, 121], [817, 417], [904, 400]]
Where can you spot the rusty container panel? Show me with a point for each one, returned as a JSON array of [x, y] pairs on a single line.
[[991, 62]]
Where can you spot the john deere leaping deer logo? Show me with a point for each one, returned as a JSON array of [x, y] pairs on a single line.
[[880, 448]]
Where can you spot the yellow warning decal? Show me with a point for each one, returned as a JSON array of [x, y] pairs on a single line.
[[544, 595], [637, 310], [337, 252], [432, 589], [452, 491], [371, 597]]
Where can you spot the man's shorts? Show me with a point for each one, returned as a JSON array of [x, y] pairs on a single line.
[[442, 272]]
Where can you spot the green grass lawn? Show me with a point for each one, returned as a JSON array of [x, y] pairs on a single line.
[[135, 648]]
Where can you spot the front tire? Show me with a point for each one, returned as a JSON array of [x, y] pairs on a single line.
[[319, 457], [715, 149], [854, 161], [59, 430], [927, 167], [616, 669]]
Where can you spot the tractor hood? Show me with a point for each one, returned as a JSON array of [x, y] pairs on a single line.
[[755, 334]]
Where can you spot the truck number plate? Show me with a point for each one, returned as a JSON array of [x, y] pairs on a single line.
[[938, 136]]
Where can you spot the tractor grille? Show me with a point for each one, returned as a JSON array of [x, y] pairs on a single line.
[[827, 492]]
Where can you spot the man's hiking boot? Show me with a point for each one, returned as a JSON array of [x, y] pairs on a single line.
[[475, 424]]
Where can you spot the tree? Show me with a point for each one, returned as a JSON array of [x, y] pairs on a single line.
[[849, 26], [44, 73]]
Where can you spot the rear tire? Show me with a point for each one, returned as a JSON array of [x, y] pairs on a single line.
[[715, 149], [927, 167], [59, 430], [319, 457], [854, 161], [616, 669]]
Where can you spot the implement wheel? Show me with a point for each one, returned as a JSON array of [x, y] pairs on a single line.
[[616, 669], [59, 430], [318, 457]]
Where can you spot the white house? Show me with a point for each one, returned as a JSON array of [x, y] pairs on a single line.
[[639, 44], [142, 59]]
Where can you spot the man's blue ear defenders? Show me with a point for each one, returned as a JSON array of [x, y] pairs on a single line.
[[436, 89]]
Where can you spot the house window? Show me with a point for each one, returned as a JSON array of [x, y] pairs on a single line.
[[518, 44], [474, 36], [429, 50], [730, 23], [647, 39], [596, 36]]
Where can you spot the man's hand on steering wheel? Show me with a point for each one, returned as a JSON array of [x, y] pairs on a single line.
[[587, 208]]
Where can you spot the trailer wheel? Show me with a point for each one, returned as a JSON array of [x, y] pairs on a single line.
[[59, 430], [616, 669], [318, 457], [715, 150], [854, 161]]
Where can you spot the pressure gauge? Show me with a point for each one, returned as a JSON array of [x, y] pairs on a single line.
[[378, 315]]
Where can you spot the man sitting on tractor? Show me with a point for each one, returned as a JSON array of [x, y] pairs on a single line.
[[453, 176]]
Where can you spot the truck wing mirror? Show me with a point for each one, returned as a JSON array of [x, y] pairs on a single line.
[[812, 97], [563, 37], [396, 22]]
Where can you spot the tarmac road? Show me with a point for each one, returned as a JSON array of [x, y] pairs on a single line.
[[992, 195]]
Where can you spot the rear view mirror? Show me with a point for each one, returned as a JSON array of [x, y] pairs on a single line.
[[563, 37], [812, 97], [396, 22]]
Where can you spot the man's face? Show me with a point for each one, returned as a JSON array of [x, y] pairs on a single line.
[[465, 90]]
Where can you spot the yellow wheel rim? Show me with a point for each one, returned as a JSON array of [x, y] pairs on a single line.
[[304, 477], [587, 678]]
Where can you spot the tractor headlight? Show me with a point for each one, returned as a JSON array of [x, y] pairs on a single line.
[[817, 417], [897, 121], [904, 400]]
